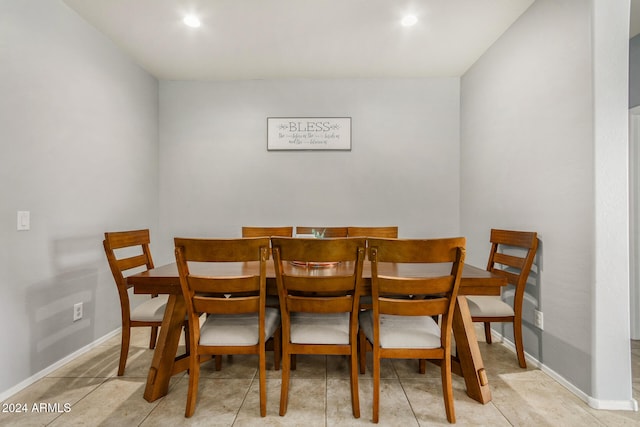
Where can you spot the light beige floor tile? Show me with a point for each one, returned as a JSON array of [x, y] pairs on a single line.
[[249, 414], [395, 409], [533, 398], [238, 366], [117, 402], [307, 402], [387, 370], [309, 367], [427, 402], [218, 403], [339, 409], [100, 362], [408, 368], [61, 393]]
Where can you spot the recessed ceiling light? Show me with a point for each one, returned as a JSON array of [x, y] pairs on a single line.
[[191, 21], [409, 20]]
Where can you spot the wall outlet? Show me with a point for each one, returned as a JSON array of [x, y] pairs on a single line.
[[538, 320], [77, 311]]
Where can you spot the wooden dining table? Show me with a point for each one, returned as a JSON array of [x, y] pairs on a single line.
[[165, 280]]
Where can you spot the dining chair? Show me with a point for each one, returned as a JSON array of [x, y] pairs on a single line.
[[384, 232], [319, 283], [238, 321], [512, 254], [267, 231], [324, 231], [400, 327], [390, 232], [126, 251]]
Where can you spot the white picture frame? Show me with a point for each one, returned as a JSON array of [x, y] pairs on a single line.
[[309, 133]]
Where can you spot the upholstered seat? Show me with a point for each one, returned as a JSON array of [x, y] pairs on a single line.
[[320, 328], [399, 327], [512, 254], [402, 331], [489, 305], [238, 321], [319, 310], [151, 310], [129, 251], [238, 329]]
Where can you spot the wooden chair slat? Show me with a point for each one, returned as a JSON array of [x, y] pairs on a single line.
[[230, 285], [267, 231], [501, 242], [390, 232], [320, 304], [202, 294], [125, 264], [226, 305], [425, 307], [328, 231], [510, 260], [437, 298], [318, 292], [414, 286]]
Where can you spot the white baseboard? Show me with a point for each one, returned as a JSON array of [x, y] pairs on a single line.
[[49, 369], [612, 405]]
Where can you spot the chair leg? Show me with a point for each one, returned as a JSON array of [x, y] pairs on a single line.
[[124, 349], [277, 349], [355, 396], [263, 382], [487, 332], [447, 388], [284, 385], [293, 362], [517, 335], [187, 345], [192, 393], [218, 362], [376, 385], [422, 366], [153, 338], [362, 347]]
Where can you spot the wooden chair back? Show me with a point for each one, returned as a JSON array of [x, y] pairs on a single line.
[[322, 293], [515, 268], [410, 295], [206, 294], [126, 251], [327, 290], [267, 231], [223, 295], [327, 232], [383, 232], [115, 241], [396, 295]]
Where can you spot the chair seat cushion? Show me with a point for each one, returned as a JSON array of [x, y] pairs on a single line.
[[152, 310], [237, 329], [320, 328], [402, 331], [488, 306]]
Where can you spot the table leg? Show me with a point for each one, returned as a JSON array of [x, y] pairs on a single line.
[[468, 353], [166, 348]]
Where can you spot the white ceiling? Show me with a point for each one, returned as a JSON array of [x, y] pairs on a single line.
[[259, 39]]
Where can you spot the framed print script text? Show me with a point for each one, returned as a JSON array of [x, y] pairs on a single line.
[[308, 133]]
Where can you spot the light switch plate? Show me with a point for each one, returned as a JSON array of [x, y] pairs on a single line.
[[24, 220]]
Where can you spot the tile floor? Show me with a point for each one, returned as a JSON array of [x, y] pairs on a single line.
[[319, 395]]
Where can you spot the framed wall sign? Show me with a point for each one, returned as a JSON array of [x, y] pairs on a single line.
[[308, 133]]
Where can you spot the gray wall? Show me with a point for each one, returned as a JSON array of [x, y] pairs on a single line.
[[528, 162], [78, 149], [634, 72], [217, 174]]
